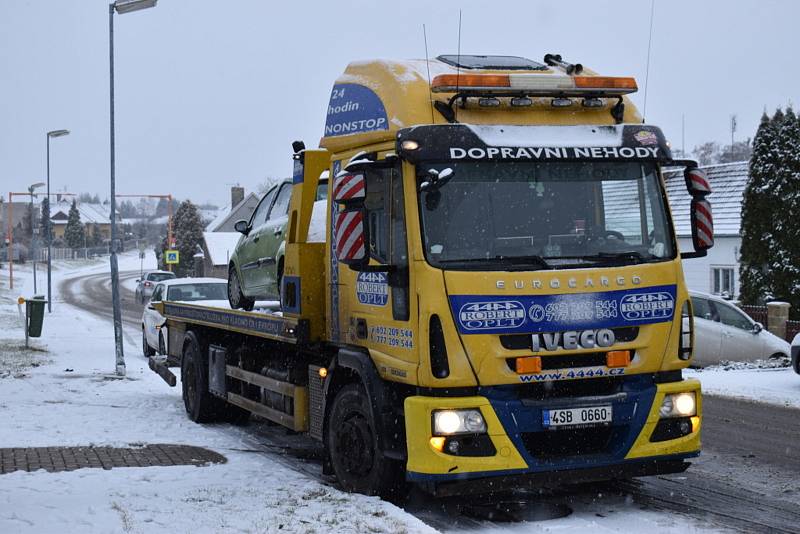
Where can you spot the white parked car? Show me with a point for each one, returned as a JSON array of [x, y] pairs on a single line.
[[722, 331], [208, 291]]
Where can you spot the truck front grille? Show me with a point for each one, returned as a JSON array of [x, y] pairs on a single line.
[[523, 341]]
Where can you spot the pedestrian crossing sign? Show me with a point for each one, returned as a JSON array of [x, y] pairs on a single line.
[[173, 257]]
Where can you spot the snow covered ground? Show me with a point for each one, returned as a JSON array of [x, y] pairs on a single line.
[[63, 392], [774, 386]]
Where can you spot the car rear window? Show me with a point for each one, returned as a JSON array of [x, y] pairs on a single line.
[[199, 291], [158, 277]]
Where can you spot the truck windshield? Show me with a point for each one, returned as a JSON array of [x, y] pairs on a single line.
[[530, 216]]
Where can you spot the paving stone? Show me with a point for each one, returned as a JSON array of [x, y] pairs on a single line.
[[54, 459]]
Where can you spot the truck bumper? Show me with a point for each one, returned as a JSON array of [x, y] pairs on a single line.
[[525, 453]]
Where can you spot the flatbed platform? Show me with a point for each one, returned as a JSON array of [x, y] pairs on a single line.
[[262, 323]]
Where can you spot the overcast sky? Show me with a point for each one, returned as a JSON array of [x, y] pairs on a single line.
[[211, 93]]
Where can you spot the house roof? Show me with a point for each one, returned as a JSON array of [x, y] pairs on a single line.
[[90, 213], [728, 181], [220, 246], [225, 216]]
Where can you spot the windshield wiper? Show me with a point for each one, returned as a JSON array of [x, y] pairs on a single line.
[[516, 261]]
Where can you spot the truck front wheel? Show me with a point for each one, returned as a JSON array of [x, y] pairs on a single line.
[[354, 448]]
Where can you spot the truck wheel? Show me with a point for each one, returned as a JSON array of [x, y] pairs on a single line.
[[354, 448], [201, 406], [146, 349], [236, 297]]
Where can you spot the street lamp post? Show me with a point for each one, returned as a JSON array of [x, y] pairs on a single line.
[[53, 133], [121, 7], [31, 189]]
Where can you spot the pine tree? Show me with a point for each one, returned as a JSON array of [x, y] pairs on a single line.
[[188, 229], [757, 229], [45, 225], [95, 238], [74, 233], [785, 264]]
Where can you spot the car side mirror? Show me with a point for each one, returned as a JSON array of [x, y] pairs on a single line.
[[151, 307], [138, 280], [241, 226], [757, 328]]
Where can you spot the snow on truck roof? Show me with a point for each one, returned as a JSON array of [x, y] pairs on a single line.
[[373, 99]]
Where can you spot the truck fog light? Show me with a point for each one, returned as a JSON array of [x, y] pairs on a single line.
[[449, 422], [678, 405], [686, 427]]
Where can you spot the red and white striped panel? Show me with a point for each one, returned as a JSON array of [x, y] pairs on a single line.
[[697, 182], [350, 236], [703, 224], [349, 187]]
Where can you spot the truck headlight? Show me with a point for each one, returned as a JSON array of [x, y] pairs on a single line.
[[679, 405], [449, 422]]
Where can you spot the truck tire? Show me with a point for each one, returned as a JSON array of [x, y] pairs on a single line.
[[201, 406], [146, 348], [236, 297], [354, 448]]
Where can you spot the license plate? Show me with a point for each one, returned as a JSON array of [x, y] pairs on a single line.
[[591, 415]]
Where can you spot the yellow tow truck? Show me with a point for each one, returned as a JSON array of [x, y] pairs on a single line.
[[499, 301]]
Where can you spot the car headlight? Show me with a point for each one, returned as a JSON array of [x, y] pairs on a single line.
[[449, 422], [679, 405]]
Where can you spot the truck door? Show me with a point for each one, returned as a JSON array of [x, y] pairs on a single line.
[[381, 307]]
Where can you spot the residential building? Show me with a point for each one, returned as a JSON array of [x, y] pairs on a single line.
[[718, 272]]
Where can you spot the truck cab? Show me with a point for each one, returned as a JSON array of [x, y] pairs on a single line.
[[497, 300], [503, 251]]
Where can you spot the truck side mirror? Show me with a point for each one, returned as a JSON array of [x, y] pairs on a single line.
[[696, 182], [702, 220], [349, 192], [350, 237], [702, 225], [241, 227]]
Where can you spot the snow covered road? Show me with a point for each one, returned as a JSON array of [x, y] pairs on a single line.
[[272, 482]]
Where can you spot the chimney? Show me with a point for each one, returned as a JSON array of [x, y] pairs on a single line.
[[237, 195]]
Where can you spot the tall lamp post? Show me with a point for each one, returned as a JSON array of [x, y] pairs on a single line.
[[49, 230], [31, 189], [121, 7]]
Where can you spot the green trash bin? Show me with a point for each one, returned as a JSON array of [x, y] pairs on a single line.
[[35, 310]]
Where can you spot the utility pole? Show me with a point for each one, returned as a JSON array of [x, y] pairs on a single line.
[[121, 7], [733, 129], [50, 134]]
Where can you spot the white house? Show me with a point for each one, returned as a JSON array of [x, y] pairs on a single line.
[[718, 272]]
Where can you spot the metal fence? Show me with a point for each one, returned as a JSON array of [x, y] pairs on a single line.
[[64, 253], [757, 313]]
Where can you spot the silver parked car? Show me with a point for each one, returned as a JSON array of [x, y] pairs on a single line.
[[722, 331], [148, 281]]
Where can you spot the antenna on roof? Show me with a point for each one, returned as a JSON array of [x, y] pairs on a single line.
[[647, 69], [428, 65], [458, 63]]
